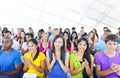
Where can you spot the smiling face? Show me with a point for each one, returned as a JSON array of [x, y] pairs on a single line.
[[82, 46], [65, 36], [7, 43], [58, 43], [112, 45], [32, 47]]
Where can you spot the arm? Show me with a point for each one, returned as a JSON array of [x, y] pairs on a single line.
[[25, 68], [75, 71], [50, 65], [64, 67], [89, 69], [39, 69], [72, 47], [17, 70], [104, 72]]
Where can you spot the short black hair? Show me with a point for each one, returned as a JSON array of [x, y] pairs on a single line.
[[111, 37], [7, 31], [73, 28], [41, 30], [108, 30], [29, 34]]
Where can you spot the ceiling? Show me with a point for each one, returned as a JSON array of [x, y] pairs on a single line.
[[60, 13]]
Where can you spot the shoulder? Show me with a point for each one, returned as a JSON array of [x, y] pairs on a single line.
[[72, 55], [14, 51], [91, 57], [41, 54], [27, 54], [1, 51], [99, 54]]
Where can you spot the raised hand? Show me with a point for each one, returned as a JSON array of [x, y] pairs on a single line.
[[53, 56], [28, 62], [23, 59]]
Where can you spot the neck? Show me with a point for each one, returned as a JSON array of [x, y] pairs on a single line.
[[80, 53], [34, 53], [57, 51], [7, 51], [110, 53], [45, 41]]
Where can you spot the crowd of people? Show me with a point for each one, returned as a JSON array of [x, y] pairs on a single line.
[[59, 54]]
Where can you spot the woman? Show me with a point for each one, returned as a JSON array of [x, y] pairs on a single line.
[[44, 43], [22, 38], [24, 47], [57, 59], [81, 62], [74, 39], [34, 60], [68, 44]]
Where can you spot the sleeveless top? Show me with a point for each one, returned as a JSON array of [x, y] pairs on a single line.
[[56, 71], [77, 64], [41, 48]]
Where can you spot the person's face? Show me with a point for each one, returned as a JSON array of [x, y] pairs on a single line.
[[91, 35], [45, 37], [22, 34], [82, 46], [28, 37], [32, 47], [111, 45], [39, 34], [82, 29], [56, 32], [105, 29], [119, 29], [106, 34], [6, 44], [73, 35], [7, 34], [0, 29], [58, 43], [65, 36], [73, 30]]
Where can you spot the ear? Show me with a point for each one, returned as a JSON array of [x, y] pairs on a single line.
[[38, 45], [12, 43]]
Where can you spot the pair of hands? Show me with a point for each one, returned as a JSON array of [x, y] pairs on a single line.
[[85, 63], [26, 60], [55, 57], [115, 68]]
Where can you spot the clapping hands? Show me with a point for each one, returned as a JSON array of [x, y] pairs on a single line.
[[26, 60]]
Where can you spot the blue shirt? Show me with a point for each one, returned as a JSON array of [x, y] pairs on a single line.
[[56, 71], [8, 62], [100, 46]]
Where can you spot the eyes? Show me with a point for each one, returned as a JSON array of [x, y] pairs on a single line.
[[31, 45], [80, 44], [112, 43], [58, 42]]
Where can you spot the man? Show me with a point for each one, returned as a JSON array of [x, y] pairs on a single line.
[[10, 62], [100, 46], [82, 33], [16, 44], [107, 61]]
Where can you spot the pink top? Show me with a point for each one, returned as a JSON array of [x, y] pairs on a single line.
[[42, 47]]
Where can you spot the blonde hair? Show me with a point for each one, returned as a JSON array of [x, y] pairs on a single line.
[[45, 34]]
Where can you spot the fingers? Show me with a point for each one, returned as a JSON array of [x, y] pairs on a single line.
[[22, 59], [115, 67]]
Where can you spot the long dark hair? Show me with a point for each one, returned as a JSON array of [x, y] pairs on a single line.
[[76, 35], [68, 40], [86, 55], [36, 43], [62, 57]]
